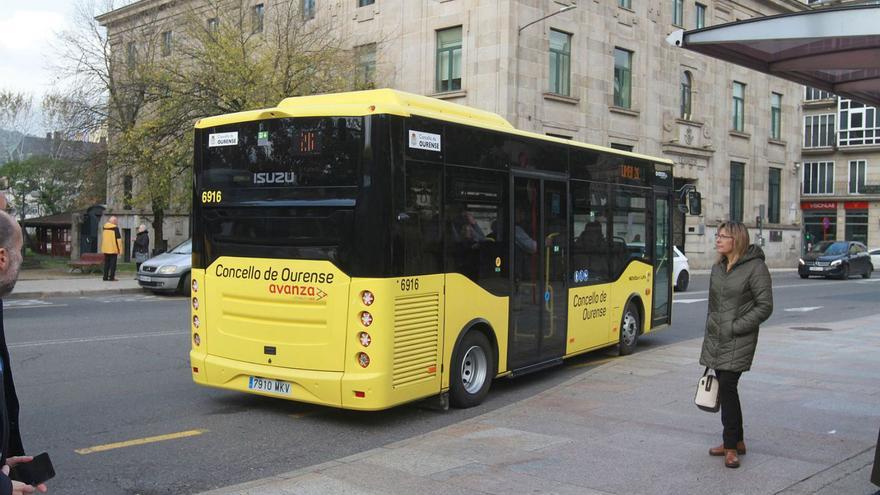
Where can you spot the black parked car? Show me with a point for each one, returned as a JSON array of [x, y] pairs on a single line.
[[836, 259]]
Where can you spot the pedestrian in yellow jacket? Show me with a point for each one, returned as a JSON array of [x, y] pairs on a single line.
[[111, 246]]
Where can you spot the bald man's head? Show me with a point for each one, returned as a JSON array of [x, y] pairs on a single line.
[[10, 253]]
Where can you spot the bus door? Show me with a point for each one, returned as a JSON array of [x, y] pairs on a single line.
[[539, 242], [662, 300]]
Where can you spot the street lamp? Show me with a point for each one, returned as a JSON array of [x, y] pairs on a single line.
[[516, 72]]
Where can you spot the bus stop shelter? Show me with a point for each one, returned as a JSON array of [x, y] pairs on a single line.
[[833, 49]]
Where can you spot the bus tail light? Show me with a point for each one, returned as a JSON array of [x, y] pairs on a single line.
[[363, 359], [196, 321], [367, 298], [365, 339], [195, 285], [195, 369], [366, 318], [197, 340], [359, 394], [196, 303]]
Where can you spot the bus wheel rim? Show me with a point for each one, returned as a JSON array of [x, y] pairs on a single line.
[[629, 328], [474, 369]]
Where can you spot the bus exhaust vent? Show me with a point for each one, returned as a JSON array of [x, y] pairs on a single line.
[[416, 336]]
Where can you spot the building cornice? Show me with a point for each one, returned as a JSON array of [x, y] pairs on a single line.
[[123, 13]]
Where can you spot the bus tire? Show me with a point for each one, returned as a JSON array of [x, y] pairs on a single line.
[[630, 323], [471, 370]]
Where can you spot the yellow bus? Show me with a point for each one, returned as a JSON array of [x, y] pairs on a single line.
[[367, 249]]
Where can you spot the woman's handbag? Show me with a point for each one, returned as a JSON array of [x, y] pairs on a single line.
[[141, 257], [707, 393]]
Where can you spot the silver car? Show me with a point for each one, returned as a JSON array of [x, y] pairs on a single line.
[[168, 272]]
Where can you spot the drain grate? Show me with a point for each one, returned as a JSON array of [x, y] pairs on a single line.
[[812, 329]]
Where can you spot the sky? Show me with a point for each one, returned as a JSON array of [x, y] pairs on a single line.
[[26, 31]]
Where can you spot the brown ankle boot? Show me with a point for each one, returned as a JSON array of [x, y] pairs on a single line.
[[719, 450], [730, 458]]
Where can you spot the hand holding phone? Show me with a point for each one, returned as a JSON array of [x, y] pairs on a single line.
[[34, 472]]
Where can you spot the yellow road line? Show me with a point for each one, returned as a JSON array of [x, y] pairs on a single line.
[[139, 441]]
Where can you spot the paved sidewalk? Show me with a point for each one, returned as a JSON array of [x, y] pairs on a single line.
[[811, 406], [72, 286]]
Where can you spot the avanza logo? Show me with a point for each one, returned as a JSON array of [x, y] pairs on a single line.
[[274, 178], [303, 291]]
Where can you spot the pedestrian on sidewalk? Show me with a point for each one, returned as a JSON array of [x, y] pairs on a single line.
[[11, 449], [740, 299], [141, 249], [111, 246]]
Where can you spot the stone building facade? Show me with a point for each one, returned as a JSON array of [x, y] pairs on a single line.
[[599, 72]]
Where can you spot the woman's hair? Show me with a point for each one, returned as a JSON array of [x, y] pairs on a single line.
[[740, 241]]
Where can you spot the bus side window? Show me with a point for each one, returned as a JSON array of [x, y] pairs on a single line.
[[590, 251], [421, 232]]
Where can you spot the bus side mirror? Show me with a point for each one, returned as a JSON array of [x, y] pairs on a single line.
[[695, 206]]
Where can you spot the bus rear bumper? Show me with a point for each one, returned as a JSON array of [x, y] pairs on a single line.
[[315, 387]]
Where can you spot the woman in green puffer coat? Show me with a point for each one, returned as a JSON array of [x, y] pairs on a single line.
[[740, 299]]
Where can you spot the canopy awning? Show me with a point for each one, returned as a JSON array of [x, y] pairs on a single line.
[[835, 49]]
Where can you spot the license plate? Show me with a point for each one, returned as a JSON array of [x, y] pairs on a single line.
[[144, 278], [270, 386], [816, 268]]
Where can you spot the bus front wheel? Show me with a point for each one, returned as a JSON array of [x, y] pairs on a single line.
[[629, 330], [472, 369]]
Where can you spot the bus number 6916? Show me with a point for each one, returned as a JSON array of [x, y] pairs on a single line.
[[408, 284]]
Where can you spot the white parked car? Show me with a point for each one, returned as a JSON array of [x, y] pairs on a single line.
[[875, 258], [681, 272]]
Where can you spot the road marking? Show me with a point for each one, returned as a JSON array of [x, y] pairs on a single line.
[[103, 338], [868, 281], [804, 309], [688, 301], [29, 303], [139, 441]]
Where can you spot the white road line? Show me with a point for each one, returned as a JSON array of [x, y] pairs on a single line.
[[803, 309], [103, 338], [805, 285], [688, 301]]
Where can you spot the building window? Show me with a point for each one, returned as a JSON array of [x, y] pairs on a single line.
[[859, 125], [166, 43], [775, 116], [819, 131], [127, 186], [213, 24], [773, 196], [622, 78], [820, 225], [700, 16], [257, 18], [686, 92], [364, 3], [678, 12], [737, 190], [449, 59], [819, 178], [738, 114], [366, 65], [560, 63], [621, 147], [856, 226], [857, 172], [308, 9], [627, 4], [131, 54], [812, 94]]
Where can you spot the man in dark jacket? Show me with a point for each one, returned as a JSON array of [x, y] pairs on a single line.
[[12, 452]]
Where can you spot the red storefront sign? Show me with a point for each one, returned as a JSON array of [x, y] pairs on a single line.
[[856, 205], [819, 205]]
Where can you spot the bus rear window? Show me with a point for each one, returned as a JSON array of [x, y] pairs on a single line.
[[281, 153]]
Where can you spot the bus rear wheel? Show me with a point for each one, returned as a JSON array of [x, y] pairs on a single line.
[[472, 370], [630, 324]]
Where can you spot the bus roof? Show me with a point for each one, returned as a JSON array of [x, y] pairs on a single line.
[[394, 102]]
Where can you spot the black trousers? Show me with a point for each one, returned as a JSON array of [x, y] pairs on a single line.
[[110, 266], [875, 473], [731, 413]]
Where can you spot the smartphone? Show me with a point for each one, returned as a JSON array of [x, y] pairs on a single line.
[[35, 472]]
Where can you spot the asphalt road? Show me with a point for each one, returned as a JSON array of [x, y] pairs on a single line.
[[107, 372]]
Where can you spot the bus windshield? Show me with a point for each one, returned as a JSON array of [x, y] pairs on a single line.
[[288, 186]]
